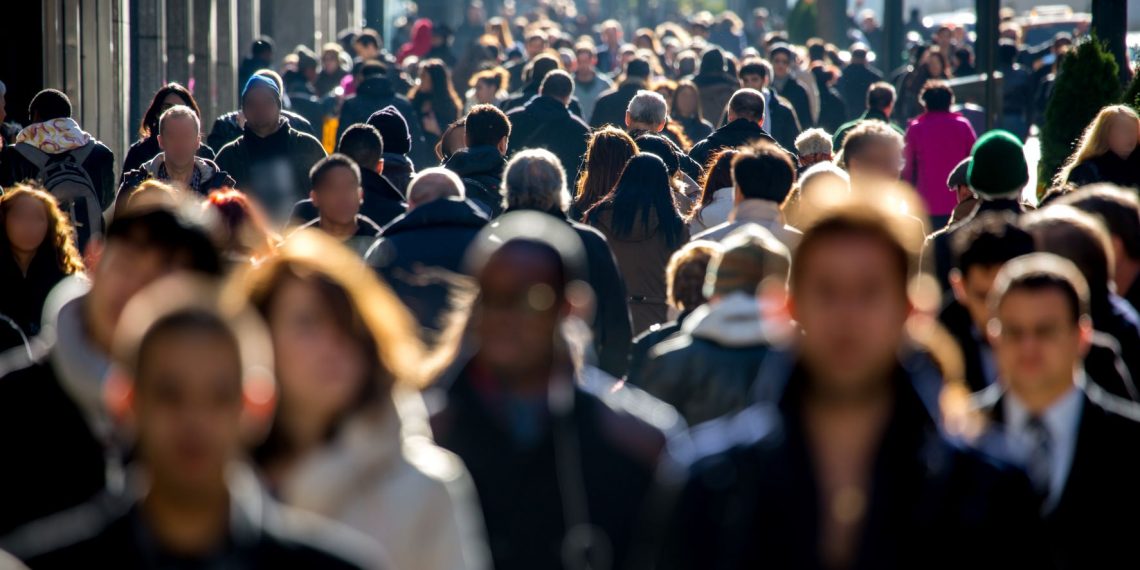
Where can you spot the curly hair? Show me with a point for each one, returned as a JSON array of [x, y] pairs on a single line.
[[59, 241]]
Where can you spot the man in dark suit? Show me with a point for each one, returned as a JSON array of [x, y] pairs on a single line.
[[1072, 437]]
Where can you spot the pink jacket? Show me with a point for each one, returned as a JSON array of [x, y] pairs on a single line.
[[936, 141]]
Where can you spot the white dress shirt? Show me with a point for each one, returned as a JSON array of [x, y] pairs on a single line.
[[1062, 420]]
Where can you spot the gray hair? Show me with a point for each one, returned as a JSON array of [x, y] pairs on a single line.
[[534, 180], [431, 184], [178, 112], [814, 141], [647, 107]]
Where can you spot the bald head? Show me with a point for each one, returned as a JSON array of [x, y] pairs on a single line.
[[432, 184]]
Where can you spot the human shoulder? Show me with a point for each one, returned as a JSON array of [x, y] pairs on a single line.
[[308, 540], [68, 534]]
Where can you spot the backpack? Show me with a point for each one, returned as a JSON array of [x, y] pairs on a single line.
[[64, 177]]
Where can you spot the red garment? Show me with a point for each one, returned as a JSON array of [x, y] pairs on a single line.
[[936, 142], [421, 41]]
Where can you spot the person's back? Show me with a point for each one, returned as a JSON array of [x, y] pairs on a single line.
[[545, 122], [936, 142], [372, 94]]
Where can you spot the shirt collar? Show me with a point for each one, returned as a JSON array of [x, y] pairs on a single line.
[[1061, 419], [756, 210]]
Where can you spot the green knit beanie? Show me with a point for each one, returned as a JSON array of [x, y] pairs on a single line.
[[997, 165]]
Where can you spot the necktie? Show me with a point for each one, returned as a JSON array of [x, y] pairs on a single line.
[[1039, 461]]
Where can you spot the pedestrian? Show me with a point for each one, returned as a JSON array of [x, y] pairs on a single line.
[[179, 161], [382, 202], [337, 196], [396, 142], [420, 254], [488, 87], [936, 141], [59, 396], [270, 160], [1120, 210], [643, 227], [762, 178], [435, 104], [375, 91], [784, 81], [349, 440], [65, 160], [147, 147], [716, 85], [707, 370], [607, 153], [648, 114], [480, 165], [832, 113], [589, 84], [332, 70], [1054, 419], [453, 140], [1107, 150], [872, 154], [37, 250], [534, 180], [857, 78], [230, 126], [717, 193], [611, 105], [958, 185], [935, 64], [546, 122], [525, 416], [196, 373], [260, 57], [745, 113], [420, 43], [880, 103], [685, 110], [779, 116], [813, 146]]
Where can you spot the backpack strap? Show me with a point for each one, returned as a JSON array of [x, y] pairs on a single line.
[[37, 157], [82, 153]]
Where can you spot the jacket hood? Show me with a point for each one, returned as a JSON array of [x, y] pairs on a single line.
[[80, 366], [440, 213], [55, 136], [483, 159], [377, 86], [734, 321]]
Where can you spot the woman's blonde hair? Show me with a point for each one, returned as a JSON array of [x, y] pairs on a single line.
[[1094, 141], [60, 239]]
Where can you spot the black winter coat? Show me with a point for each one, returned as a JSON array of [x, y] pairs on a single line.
[[147, 148], [735, 134], [374, 94], [1109, 167], [24, 295], [610, 107], [481, 168], [226, 129], [798, 97], [420, 253], [545, 122], [273, 169], [382, 202], [853, 86]]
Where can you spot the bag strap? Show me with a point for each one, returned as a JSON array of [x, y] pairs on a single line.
[[33, 155], [80, 154]]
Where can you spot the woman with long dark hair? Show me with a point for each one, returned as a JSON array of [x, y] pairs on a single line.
[[436, 105], [37, 250], [641, 223], [146, 147], [350, 439], [609, 149], [685, 110]]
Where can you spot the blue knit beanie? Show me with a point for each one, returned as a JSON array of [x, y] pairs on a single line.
[[256, 81]]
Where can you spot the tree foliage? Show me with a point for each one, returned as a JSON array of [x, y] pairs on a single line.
[[802, 21], [1087, 81], [1132, 94]]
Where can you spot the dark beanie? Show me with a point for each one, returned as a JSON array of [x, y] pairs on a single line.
[[658, 145], [393, 130], [712, 62], [997, 166], [258, 82], [958, 175]]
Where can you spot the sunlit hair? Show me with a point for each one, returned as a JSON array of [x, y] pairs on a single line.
[[152, 192], [686, 85], [149, 123], [685, 274], [1094, 141], [371, 311], [59, 242], [241, 223], [610, 148], [718, 174]]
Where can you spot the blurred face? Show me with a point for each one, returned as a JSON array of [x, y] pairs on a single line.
[[934, 66], [179, 140], [187, 405], [518, 313], [1123, 134], [586, 60], [26, 224], [851, 305], [485, 92], [1036, 342], [686, 103], [752, 81], [781, 64], [611, 35], [261, 111], [972, 289], [123, 269], [534, 46], [882, 159], [321, 369], [366, 52], [330, 63], [338, 197]]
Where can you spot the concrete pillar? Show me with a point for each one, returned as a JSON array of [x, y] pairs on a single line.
[[178, 38], [348, 14], [293, 23], [248, 25], [226, 57], [149, 55], [203, 67]]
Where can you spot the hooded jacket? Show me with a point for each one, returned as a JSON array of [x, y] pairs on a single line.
[[227, 130], [373, 94], [273, 169], [481, 168], [56, 137], [209, 177], [384, 476], [545, 122], [707, 369]]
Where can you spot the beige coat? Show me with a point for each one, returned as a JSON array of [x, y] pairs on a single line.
[[384, 476]]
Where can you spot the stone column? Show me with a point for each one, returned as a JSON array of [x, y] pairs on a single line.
[[293, 24], [226, 56], [203, 68], [178, 38]]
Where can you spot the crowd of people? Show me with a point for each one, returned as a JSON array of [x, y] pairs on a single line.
[[709, 299]]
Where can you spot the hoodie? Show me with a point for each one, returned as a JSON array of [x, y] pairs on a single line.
[[481, 168], [55, 136]]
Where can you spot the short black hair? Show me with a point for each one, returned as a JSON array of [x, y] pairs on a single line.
[[326, 164], [747, 104], [372, 68], [557, 84], [486, 125], [637, 67], [179, 231], [363, 144], [880, 95], [1007, 52], [989, 239], [1042, 272], [50, 104], [262, 46], [755, 66], [541, 66], [1119, 209], [763, 171], [368, 38], [936, 95]]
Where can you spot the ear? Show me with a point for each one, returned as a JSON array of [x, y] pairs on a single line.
[[380, 167], [627, 119], [161, 142], [259, 402], [502, 146], [1085, 328], [313, 197], [119, 395], [958, 285]]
